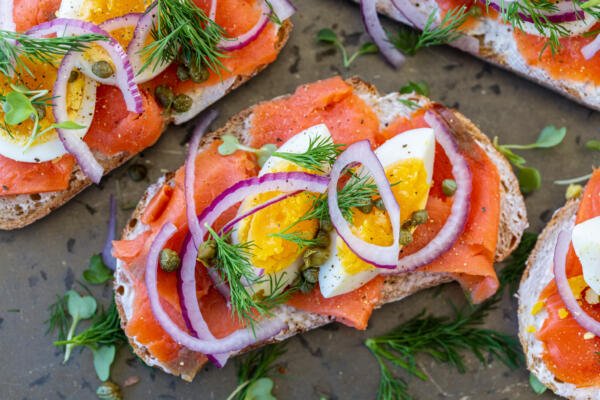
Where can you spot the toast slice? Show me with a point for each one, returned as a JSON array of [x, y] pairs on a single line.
[[497, 46], [388, 108], [537, 275], [18, 211]]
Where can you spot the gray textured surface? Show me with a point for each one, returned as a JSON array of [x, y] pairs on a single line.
[[45, 259]]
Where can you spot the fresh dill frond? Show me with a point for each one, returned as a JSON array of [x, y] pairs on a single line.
[[105, 330], [254, 367], [445, 339], [409, 40], [14, 47], [510, 275], [391, 387], [183, 30], [298, 238], [321, 151], [59, 319], [273, 16]]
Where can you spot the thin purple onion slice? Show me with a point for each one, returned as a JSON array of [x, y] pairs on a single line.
[[590, 49], [461, 204], [230, 44], [566, 11], [283, 9], [238, 340], [379, 256], [378, 34], [109, 260], [585, 320]]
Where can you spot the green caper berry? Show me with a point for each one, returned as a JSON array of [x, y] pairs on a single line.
[[183, 73], [326, 225], [449, 187], [169, 260], [164, 95], [207, 251], [324, 239], [311, 275], [419, 217], [109, 391], [314, 257], [367, 208], [379, 204], [137, 172], [182, 103], [73, 76], [406, 237], [198, 74], [102, 69]]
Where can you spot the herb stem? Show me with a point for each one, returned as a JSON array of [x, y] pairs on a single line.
[[579, 179]]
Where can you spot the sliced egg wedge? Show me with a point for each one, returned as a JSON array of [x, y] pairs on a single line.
[[408, 162], [280, 259], [98, 11], [586, 243]]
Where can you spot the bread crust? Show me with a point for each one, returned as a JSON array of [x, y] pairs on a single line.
[[18, 211], [395, 287]]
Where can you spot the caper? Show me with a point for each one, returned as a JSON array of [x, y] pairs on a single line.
[[109, 391], [311, 275], [137, 172], [198, 74], [102, 69], [73, 76], [169, 260], [406, 237], [207, 251], [183, 73], [449, 187], [323, 239], [379, 204], [164, 95], [419, 217], [314, 257], [326, 225], [367, 208], [182, 103]]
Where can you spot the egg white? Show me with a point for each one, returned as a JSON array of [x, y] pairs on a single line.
[[586, 243], [334, 280]]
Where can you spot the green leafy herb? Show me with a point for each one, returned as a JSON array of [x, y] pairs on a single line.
[[510, 275], [103, 359], [413, 105], [79, 308], [421, 88], [593, 145], [409, 41], [330, 37], [529, 179], [273, 16], [15, 47], [537, 386], [231, 144], [58, 320], [321, 151], [550, 136], [298, 238], [252, 374], [183, 30], [97, 273]]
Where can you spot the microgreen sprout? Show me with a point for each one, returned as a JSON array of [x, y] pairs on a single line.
[[328, 36]]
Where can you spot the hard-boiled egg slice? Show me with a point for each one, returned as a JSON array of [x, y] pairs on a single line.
[[408, 162], [279, 258], [98, 11], [586, 242]]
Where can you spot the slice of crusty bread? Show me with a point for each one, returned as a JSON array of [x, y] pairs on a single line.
[[498, 47], [18, 211], [388, 108], [536, 277]]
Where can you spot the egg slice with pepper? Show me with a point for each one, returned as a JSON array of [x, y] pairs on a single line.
[[408, 162], [279, 258], [586, 243]]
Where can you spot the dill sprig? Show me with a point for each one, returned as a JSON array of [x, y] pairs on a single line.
[[183, 30], [254, 367], [59, 319], [234, 266], [444, 339], [14, 47], [105, 330], [510, 276], [299, 239], [409, 40], [321, 151]]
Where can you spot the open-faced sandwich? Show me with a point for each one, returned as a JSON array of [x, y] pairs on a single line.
[[559, 307], [554, 43], [87, 84], [314, 207]]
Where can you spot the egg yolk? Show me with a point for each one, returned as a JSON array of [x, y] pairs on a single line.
[[409, 185], [98, 11], [270, 252]]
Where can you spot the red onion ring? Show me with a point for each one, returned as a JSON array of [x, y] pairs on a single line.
[[283, 9], [373, 26], [72, 142], [124, 74], [590, 49], [585, 320], [212, 13], [109, 260], [230, 44], [238, 340], [461, 204], [566, 11], [7, 22], [379, 256]]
